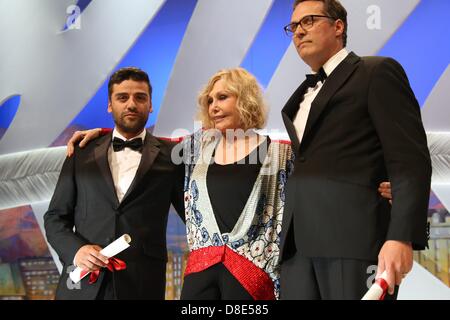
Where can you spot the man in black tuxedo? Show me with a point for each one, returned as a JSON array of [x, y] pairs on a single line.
[[121, 183], [353, 123]]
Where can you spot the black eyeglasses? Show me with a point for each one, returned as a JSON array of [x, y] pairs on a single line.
[[306, 23]]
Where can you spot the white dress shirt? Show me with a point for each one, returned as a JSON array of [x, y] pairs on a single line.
[[124, 164], [305, 106]]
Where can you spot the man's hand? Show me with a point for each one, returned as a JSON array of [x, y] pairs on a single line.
[[385, 190], [88, 257], [83, 137], [396, 257]]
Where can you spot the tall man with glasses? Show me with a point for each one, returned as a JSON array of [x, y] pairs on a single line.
[[353, 123]]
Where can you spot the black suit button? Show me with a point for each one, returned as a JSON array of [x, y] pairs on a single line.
[[109, 240], [302, 159]]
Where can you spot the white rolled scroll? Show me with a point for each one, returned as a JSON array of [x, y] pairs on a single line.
[[109, 251], [378, 290]]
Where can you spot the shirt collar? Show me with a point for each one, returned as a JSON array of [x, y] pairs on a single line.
[[334, 61]]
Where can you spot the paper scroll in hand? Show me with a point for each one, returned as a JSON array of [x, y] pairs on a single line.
[[378, 290], [110, 251]]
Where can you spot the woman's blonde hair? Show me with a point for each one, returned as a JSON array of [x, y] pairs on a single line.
[[249, 98]]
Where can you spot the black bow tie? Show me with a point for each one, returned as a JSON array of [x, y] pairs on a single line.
[[312, 79], [119, 144]]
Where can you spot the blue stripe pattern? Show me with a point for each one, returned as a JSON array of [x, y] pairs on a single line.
[[154, 52], [7, 112], [270, 43], [422, 46]]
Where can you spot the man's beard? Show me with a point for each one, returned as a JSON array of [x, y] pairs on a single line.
[[133, 127]]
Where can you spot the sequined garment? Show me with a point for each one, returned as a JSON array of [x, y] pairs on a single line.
[[251, 250]]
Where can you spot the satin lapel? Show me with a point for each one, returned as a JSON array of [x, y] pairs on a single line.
[[289, 112], [334, 81], [150, 151], [101, 157]]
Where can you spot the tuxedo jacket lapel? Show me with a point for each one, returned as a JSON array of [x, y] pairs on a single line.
[[334, 81], [290, 110], [101, 157], [150, 151]]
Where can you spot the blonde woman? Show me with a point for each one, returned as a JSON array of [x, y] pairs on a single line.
[[234, 195]]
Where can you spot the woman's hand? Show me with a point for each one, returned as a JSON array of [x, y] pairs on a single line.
[[385, 190], [83, 137]]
